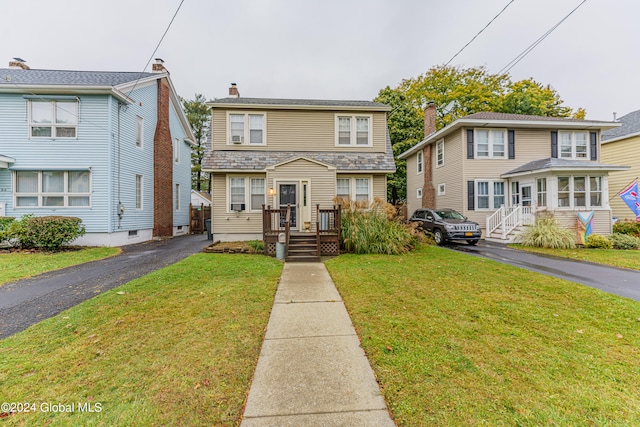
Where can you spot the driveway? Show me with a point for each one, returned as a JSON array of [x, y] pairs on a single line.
[[29, 301], [618, 281]]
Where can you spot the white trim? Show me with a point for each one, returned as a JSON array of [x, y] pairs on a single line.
[[442, 189], [587, 192], [490, 193], [247, 192], [139, 126], [352, 185], [573, 134], [53, 124], [439, 144], [65, 194], [353, 130], [141, 192], [246, 138], [490, 143], [420, 162], [419, 193]]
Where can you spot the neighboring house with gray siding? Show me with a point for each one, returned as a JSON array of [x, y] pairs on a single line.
[[292, 152], [112, 148], [500, 169]]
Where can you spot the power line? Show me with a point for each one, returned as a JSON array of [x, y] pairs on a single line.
[[479, 32], [533, 45]]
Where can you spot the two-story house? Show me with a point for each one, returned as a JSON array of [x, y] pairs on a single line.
[[622, 145], [112, 148], [499, 169], [294, 153]]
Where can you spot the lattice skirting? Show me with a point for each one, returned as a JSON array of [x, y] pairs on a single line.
[[329, 248], [271, 249]]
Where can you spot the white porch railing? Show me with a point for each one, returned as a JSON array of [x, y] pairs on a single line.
[[506, 219]]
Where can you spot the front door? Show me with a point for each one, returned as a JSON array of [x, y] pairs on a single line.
[[526, 195], [288, 195]]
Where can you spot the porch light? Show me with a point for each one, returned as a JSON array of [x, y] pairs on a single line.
[[271, 191]]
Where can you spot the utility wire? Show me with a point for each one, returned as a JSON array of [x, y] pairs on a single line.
[[533, 45], [479, 32]]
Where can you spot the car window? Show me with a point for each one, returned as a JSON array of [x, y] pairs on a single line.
[[418, 214], [450, 215], [430, 216]]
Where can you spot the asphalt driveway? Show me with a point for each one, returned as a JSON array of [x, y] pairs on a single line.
[[618, 281], [29, 301]]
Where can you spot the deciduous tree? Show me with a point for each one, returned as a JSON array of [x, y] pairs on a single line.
[[199, 116]]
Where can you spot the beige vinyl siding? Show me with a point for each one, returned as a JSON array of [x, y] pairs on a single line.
[[601, 220], [229, 222], [625, 153], [455, 189], [299, 130], [380, 187], [414, 181]]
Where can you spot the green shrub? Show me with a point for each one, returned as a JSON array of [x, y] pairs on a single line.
[[624, 241], [47, 232], [372, 230], [547, 233], [598, 241], [629, 227], [257, 245], [5, 221]]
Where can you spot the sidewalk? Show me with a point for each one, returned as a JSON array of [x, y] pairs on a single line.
[[312, 370]]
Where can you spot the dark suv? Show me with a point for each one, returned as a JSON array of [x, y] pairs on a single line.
[[447, 224]]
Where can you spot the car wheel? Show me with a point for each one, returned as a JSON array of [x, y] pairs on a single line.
[[438, 236], [472, 242]]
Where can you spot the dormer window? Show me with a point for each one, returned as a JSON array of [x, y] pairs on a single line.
[[353, 130], [247, 129], [53, 119]]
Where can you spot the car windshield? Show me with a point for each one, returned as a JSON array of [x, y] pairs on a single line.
[[450, 215]]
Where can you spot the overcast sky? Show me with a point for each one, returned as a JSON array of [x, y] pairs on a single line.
[[336, 49]]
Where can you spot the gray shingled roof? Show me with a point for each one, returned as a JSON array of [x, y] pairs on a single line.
[[299, 102], [486, 115], [16, 76], [553, 163], [630, 126]]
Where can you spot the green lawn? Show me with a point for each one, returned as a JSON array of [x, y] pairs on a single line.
[[616, 258], [457, 340], [19, 265], [175, 347]]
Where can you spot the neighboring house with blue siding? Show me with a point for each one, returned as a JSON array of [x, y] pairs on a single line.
[[112, 148]]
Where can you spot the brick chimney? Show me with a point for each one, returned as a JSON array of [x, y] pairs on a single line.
[[163, 166], [18, 63], [428, 189], [158, 67], [233, 91]]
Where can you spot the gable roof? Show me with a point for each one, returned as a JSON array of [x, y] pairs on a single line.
[[319, 104], [630, 127], [553, 164], [513, 121]]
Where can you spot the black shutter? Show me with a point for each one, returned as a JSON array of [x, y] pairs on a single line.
[[471, 195], [511, 137], [469, 143], [594, 145], [554, 144]]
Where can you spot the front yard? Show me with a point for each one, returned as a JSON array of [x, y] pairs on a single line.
[[465, 341]]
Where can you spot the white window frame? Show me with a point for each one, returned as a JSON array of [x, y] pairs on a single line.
[[53, 124], [353, 194], [246, 132], [176, 150], [176, 196], [490, 194], [491, 143], [139, 192], [588, 192], [573, 142], [353, 131], [40, 194], [251, 193], [420, 162], [419, 193], [139, 131], [541, 192], [442, 189], [247, 202], [440, 153]]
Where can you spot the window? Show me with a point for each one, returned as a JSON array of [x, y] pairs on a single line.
[[138, 191], [541, 186], [573, 191], [353, 130], [573, 145], [52, 188], [53, 119], [441, 189], [139, 131], [176, 195], [358, 189], [419, 193], [237, 192], [176, 150], [420, 161], [490, 194], [257, 193], [489, 143], [440, 153], [515, 193], [247, 129]]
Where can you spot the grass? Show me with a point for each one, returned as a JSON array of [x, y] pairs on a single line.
[[23, 264], [465, 341], [175, 347], [616, 258]]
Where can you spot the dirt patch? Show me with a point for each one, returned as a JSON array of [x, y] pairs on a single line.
[[231, 248]]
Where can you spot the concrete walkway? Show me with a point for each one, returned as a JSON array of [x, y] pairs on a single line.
[[312, 370]]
